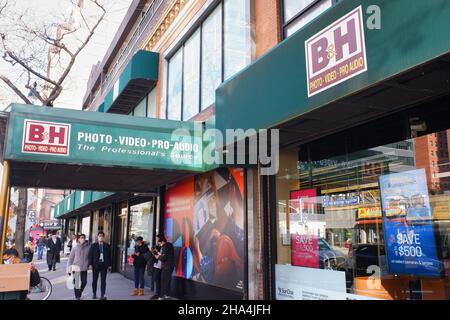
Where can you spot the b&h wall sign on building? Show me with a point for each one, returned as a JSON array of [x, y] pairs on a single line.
[[336, 53]]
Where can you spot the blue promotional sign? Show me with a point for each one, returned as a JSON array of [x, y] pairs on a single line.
[[408, 226]]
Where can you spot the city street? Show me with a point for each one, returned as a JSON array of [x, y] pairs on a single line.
[[117, 288]]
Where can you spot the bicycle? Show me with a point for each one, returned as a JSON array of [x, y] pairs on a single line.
[[41, 291]]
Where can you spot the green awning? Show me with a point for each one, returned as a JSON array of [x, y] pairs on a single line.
[[68, 149], [407, 63], [137, 79]]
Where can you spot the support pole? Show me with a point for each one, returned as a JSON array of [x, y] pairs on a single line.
[[5, 193]]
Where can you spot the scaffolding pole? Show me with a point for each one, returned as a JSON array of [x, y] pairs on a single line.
[[5, 194]]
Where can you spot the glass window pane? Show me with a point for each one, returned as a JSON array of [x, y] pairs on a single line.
[[139, 110], [151, 104], [174, 87], [191, 87], [237, 37], [163, 97], [292, 7], [141, 225], [308, 16], [211, 56]]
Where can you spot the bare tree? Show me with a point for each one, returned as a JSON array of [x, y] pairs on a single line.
[[40, 55]]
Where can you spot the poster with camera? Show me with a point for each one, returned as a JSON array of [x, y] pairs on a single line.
[[409, 235], [205, 222]]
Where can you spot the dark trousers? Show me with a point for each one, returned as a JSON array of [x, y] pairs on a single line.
[[166, 276], [95, 273], [151, 273], [52, 264], [157, 280], [139, 277], [82, 283]]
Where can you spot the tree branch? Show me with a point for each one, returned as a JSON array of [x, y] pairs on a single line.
[[15, 89], [58, 87]]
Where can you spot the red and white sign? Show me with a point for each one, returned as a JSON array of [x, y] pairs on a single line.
[[337, 53], [305, 250], [46, 137]]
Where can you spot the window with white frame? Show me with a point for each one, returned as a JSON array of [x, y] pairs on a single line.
[[297, 13], [219, 48]]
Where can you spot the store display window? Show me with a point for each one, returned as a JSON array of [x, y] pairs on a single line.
[[373, 223]]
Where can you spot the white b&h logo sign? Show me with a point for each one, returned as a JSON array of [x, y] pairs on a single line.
[[46, 137]]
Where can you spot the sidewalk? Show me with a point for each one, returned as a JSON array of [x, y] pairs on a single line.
[[117, 286]]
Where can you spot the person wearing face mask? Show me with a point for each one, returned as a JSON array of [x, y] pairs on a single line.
[[100, 263], [78, 265], [53, 249]]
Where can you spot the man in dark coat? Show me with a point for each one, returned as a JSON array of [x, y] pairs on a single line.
[[167, 258], [100, 263], [53, 249]]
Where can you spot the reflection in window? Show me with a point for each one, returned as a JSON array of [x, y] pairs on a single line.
[[141, 225], [383, 209], [237, 41], [211, 56], [191, 87], [174, 87], [293, 7], [203, 75]]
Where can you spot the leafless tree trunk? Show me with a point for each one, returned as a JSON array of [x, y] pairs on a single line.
[[31, 50], [21, 220]]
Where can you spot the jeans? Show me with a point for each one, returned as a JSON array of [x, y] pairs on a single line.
[[40, 252], [82, 283], [139, 277], [157, 280], [95, 274]]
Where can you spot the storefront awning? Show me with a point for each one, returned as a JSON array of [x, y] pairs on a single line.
[[85, 201], [66, 149], [137, 79], [403, 63]]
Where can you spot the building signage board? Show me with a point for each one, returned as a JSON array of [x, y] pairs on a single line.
[[410, 241], [80, 137], [336, 53]]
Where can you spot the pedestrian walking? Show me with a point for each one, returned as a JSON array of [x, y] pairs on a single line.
[[78, 265], [156, 276], [40, 246], [167, 258], [140, 257], [100, 262], [28, 251], [72, 242], [53, 250]]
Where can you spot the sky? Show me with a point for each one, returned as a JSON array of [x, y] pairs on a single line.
[[75, 84]]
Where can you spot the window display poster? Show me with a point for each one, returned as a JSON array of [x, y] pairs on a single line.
[[305, 200], [304, 250], [411, 249], [406, 191], [410, 242], [204, 219]]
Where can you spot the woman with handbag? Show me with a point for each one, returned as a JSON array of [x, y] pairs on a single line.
[[78, 265], [139, 262]]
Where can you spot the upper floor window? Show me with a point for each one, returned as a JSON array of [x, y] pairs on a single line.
[[297, 13], [219, 48], [147, 106]]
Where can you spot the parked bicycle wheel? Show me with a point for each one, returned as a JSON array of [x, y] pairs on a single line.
[[42, 291]]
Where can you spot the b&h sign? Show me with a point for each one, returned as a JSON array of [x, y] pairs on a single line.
[[336, 53], [46, 137]]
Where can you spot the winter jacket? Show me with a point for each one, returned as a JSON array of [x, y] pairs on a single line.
[[79, 256]]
